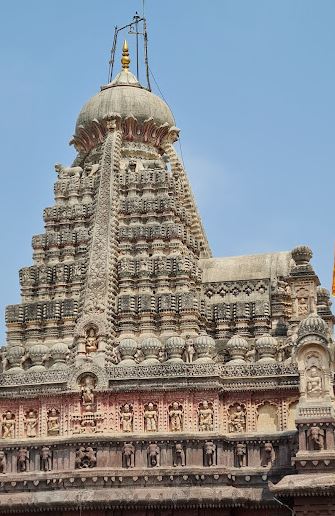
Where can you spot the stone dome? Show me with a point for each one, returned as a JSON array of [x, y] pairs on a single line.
[[313, 325], [151, 346], [205, 347], [266, 346], [237, 348], [37, 353], [125, 96], [174, 348], [59, 353], [127, 349]]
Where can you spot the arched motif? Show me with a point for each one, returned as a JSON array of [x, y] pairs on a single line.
[[87, 369], [90, 321], [267, 418], [314, 364]]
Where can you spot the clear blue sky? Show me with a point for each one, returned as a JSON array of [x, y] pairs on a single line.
[[251, 85]]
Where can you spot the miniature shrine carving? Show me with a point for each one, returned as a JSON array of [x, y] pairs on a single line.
[[22, 460], [128, 455], [176, 417], [209, 453], [45, 459], [8, 425], [31, 423], [126, 416], [179, 455], [53, 422], [3, 462], [86, 457], [153, 452], [241, 455], [150, 417], [267, 455], [205, 417], [237, 419]]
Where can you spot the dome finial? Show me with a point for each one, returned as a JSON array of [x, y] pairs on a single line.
[[125, 60]]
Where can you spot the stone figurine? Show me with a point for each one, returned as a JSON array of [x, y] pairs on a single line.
[[91, 344], [237, 419], [86, 457], [205, 417], [3, 462], [176, 417], [87, 393], [8, 425], [315, 439], [153, 452], [189, 351], [314, 382], [241, 455], [31, 424], [209, 453], [128, 455], [151, 418], [267, 455], [22, 460], [179, 455], [45, 460], [53, 422], [126, 416]]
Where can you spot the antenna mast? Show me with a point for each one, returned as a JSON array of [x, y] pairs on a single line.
[[137, 27]]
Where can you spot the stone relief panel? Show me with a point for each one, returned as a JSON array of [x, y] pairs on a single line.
[[237, 417], [267, 418]]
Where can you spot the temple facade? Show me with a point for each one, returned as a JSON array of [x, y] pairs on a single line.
[[144, 376]]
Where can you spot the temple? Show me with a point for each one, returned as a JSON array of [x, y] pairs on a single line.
[[143, 376]]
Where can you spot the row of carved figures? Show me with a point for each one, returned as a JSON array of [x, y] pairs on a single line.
[[86, 456]]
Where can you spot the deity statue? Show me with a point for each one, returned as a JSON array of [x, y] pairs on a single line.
[[315, 438], [241, 455], [128, 455], [8, 425], [87, 393], [205, 417], [151, 418], [91, 344], [209, 453], [189, 351], [179, 455], [126, 416], [153, 455], [3, 462], [31, 423], [314, 382], [267, 455], [53, 422], [45, 458], [176, 417], [22, 460], [237, 419]]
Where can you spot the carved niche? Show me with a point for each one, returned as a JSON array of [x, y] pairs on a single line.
[[3, 462], [53, 424], [126, 417], [8, 425], [150, 417], [22, 460], [153, 453], [87, 384], [209, 453], [241, 455], [315, 438], [179, 455], [128, 455], [267, 418], [86, 457], [267, 455], [31, 423], [45, 459]]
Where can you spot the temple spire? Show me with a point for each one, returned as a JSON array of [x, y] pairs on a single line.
[[125, 60]]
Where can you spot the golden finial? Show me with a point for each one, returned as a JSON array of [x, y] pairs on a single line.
[[125, 61]]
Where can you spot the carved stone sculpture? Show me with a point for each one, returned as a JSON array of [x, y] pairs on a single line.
[[237, 419], [176, 417], [45, 460], [3, 462], [189, 351], [179, 455], [22, 460], [87, 393], [267, 455], [53, 422], [128, 454], [314, 382], [86, 457], [315, 439], [241, 455], [31, 423], [209, 453], [91, 342], [153, 455], [151, 418], [126, 416], [67, 172], [205, 417], [8, 425]]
